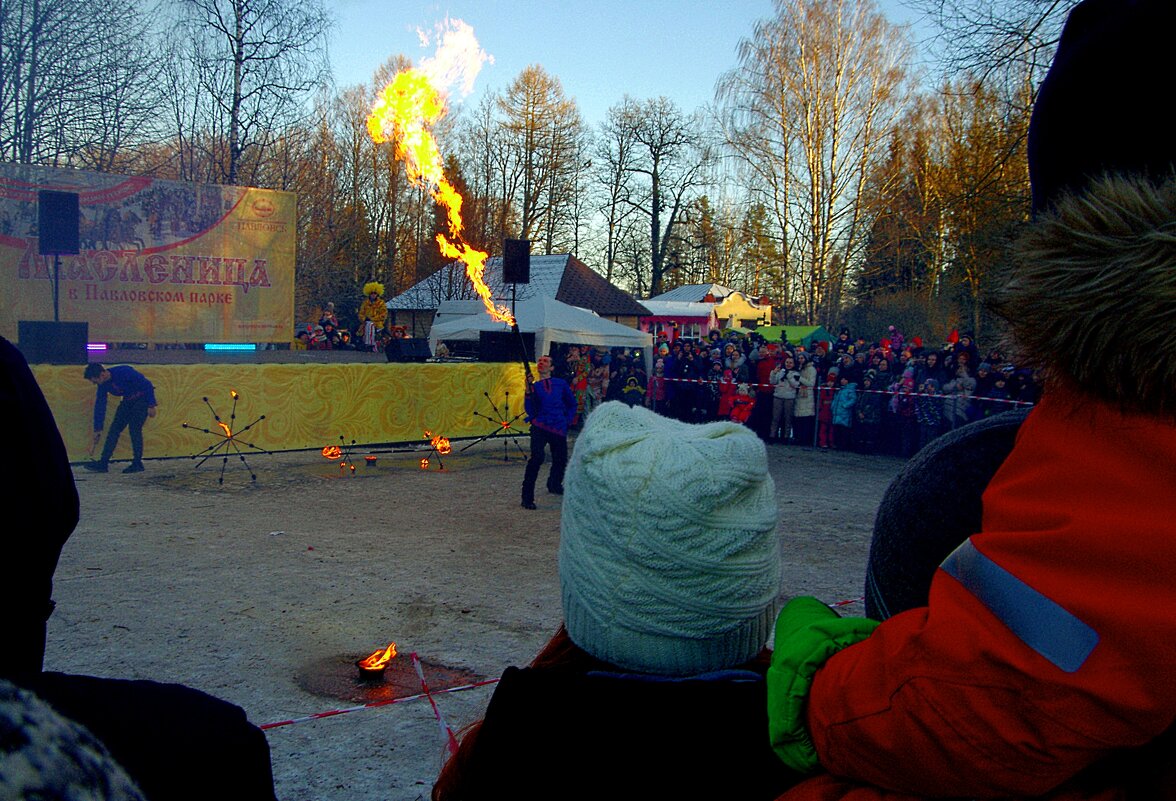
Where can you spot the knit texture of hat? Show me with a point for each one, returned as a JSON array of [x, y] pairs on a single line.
[[46, 755], [669, 560]]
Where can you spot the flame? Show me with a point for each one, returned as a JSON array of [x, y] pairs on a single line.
[[233, 394], [332, 452], [405, 113], [424, 464], [379, 658], [441, 445], [225, 428]]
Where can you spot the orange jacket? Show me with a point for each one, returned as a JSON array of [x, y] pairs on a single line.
[[1049, 639]]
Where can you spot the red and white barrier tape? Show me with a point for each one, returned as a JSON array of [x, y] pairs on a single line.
[[822, 389], [446, 732], [375, 704]]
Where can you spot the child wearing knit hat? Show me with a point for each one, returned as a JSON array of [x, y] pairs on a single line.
[[654, 585], [667, 607]]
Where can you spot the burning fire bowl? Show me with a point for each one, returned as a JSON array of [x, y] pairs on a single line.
[[338, 677]]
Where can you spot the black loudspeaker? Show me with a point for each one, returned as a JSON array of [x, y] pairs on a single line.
[[57, 222], [407, 350], [504, 346], [516, 261], [52, 343]]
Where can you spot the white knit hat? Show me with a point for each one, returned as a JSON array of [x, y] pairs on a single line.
[[669, 559]]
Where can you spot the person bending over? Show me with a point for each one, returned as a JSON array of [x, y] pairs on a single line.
[[137, 404]]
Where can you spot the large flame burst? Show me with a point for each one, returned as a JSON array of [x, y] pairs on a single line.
[[405, 114]]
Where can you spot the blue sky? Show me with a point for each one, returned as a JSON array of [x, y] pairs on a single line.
[[599, 50]]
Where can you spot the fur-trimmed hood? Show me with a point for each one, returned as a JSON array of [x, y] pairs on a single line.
[[1092, 296]]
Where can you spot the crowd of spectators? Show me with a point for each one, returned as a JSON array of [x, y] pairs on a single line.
[[891, 395], [329, 334]]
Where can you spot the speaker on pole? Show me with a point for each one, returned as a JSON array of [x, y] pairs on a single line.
[[57, 222], [516, 261]]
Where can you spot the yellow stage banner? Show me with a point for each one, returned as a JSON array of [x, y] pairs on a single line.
[[305, 405], [160, 261]]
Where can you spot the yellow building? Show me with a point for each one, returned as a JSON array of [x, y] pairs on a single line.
[[731, 307]]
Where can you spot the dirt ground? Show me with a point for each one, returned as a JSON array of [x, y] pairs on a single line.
[[264, 592]]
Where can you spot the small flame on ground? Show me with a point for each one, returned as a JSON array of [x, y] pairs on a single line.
[[424, 464], [405, 113], [332, 452], [379, 658]]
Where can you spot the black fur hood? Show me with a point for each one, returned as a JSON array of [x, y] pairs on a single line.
[[1092, 296]]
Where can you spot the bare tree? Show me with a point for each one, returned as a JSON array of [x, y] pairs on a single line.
[[249, 67], [78, 81], [669, 157], [814, 100], [987, 37], [612, 178], [544, 135]]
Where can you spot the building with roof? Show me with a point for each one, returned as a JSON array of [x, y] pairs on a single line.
[[678, 318], [732, 308], [562, 276]]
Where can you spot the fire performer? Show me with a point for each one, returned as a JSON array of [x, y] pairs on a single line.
[[551, 407], [137, 404]]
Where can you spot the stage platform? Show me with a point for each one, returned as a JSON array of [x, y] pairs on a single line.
[[308, 401]]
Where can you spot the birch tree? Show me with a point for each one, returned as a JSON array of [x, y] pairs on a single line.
[[246, 68], [808, 112], [78, 81]]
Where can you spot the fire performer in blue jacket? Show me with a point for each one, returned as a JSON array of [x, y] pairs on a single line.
[[137, 404], [550, 407]]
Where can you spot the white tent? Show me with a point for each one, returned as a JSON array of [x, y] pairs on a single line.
[[550, 321]]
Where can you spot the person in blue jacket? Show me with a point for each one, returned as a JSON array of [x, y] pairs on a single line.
[[137, 404], [550, 408]]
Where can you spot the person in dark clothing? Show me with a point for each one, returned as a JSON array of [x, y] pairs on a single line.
[[134, 720], [46, 515], [137, 404], [550, 409]]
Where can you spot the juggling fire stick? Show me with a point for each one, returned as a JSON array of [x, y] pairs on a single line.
[[527, 377]]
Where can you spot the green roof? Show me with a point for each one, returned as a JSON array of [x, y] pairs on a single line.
[[797, 334]]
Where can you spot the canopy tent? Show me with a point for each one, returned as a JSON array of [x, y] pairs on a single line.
[[797, 334], [549, 319]]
